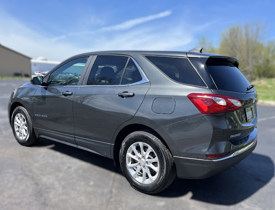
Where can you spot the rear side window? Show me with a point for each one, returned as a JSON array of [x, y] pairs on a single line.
[[107, 70], [227, 76], [178, 69], [131, 74]]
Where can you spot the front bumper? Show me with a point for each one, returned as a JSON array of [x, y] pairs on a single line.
[[194, 168]]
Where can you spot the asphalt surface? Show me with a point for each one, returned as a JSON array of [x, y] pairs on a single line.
[[55, 176]]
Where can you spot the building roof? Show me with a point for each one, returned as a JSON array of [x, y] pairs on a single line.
[[46, 62], [14, 51]]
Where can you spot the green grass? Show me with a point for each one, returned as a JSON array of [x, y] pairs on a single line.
[[13, 77], [265, 89]]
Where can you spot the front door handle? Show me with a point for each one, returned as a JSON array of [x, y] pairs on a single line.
[[67, 93], [126, 94]]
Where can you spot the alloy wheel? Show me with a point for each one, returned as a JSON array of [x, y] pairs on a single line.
[[142, 163], [21, 127]]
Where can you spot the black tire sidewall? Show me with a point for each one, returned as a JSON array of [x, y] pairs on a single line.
[[23, 111], [157, 146]]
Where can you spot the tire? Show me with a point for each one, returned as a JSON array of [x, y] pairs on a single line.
[[146, 162], [22, 127]]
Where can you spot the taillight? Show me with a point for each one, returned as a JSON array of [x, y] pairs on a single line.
[[212, 103]]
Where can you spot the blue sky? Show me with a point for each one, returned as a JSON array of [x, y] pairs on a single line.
[[60, 29]]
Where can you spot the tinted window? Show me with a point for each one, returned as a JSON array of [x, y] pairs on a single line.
[[107, 70], [228, 78], [178, 69], [69, 73], [131, 74]]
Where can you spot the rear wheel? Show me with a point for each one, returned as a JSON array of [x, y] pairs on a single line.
[[146, 162], [22, 127]]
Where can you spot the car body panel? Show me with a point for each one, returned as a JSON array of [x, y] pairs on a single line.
[[23, 95], [99, 111], [193, 168], [53, 112]]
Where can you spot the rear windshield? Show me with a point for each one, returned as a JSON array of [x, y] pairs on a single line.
[[178, 69], [228, 77]]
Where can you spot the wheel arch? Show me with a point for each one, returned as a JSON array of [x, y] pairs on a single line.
[[13, 107], [129, 129]]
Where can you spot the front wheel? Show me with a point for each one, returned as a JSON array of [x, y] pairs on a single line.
[[22, 127], [146, 162]]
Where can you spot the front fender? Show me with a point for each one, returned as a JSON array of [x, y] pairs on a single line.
[[23, 96]]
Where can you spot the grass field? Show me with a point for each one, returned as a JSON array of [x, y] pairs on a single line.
[[265, 88], [13, 77]]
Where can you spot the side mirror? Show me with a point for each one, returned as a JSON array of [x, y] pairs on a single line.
[[37, 80], [44, 84]]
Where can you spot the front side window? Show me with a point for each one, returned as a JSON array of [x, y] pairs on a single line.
[[69, 73]]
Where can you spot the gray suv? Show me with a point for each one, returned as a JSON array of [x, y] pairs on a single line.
[[157, 114]]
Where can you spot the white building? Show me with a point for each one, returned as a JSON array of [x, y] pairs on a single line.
[[42, 65]]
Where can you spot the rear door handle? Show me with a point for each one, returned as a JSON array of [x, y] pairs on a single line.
[[67, 93], [126, 94]]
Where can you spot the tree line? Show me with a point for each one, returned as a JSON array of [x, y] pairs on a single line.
[[246, 42]]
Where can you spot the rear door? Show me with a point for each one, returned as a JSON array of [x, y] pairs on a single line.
[[112, 93]]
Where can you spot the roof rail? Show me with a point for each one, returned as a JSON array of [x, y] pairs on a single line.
[[196, 50]]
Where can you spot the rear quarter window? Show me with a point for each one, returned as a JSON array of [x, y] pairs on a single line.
[[178, 69]]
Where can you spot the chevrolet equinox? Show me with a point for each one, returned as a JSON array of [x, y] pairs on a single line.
[[157, 114]]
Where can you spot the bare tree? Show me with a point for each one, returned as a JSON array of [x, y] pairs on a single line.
[[266, 61], [244, 42], [207, 45]]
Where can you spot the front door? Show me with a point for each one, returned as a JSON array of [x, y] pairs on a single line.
[[53, 107]]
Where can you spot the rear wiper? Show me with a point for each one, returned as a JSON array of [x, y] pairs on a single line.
[[250, 87]]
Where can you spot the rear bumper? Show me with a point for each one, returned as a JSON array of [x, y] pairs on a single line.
[[193, 168]]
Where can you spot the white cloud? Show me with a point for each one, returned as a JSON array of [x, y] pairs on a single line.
[[152, 38], [124, 36], [17, 36], [134, 22], [94, 20], [119, 27]]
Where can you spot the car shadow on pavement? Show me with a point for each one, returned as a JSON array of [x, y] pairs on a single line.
[[80, 154], [227, 188]]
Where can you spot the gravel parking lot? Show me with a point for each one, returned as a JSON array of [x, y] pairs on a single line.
[[55, 176]]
